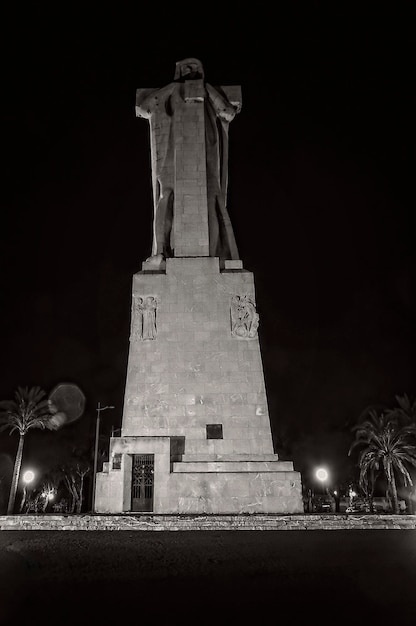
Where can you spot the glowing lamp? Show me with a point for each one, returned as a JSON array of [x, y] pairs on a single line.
[[321, 474], [28, 476]]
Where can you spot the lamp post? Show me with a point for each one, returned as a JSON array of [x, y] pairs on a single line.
[[28, 477], [97, 434]]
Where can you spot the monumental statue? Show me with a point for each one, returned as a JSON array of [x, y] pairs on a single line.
[[189, 147], [195, 436]]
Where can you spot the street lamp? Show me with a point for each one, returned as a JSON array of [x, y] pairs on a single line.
[[322, 475], [97, 434], [28, 477]]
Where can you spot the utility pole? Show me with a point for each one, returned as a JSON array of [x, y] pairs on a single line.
[[97, 434]]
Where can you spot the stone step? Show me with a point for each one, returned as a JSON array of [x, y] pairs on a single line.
[[230, 457], [232, 466]]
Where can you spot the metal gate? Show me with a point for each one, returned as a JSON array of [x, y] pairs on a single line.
[[142, 481]]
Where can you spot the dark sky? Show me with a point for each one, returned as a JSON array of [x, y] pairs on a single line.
[[321, 199]]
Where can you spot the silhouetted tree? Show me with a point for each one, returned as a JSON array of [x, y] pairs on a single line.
[[28, 410], [73, 476], [49, 487], [387, 446]]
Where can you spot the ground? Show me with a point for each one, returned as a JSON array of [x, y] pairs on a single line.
[[213, 577]]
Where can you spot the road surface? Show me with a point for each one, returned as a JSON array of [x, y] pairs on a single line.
[[212, 577]]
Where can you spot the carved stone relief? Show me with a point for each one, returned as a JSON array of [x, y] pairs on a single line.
[[144, 318], [244, 317]]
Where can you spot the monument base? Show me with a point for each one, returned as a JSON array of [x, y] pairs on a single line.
[[196, 434], [199, 484]]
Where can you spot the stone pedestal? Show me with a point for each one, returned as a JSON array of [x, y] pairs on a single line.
[[195, 398]]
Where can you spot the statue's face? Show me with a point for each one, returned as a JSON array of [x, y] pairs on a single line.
[[191, 71]]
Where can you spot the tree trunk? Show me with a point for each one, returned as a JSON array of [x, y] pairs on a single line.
[[78, 501], [72, 491], [393, 491], [371, 491], [371, 503], [81, 488], [16, 475], [22, 504]]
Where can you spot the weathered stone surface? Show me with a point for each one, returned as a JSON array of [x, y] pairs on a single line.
[[193, 374], [231, 466], [207, 522]]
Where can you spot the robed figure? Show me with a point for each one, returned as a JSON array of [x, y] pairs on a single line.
[[160, 107]]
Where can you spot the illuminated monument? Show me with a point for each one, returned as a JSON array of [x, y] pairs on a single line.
[[196, 433]]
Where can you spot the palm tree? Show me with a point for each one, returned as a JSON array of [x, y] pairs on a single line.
[[405, 411], [28, 410], [387, 447]]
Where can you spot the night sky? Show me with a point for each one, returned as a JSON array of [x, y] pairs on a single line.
[[320, 197]]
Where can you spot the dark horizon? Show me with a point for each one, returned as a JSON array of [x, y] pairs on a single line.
[[319, 197]]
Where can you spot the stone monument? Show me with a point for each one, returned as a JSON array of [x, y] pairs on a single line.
[[195, 433]]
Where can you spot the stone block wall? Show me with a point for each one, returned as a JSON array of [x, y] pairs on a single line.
[[190, 222], [233, 487], [237, 492], [194, 372]]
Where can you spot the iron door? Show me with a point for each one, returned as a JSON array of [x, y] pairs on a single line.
[[142, 481]]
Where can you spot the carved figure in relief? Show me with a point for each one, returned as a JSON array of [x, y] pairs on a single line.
[[144, 320], [137, 329], [149, 318], [244, 317]]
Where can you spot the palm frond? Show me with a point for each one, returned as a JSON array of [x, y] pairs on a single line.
[[405, 411], [407, 457], [405, 404], [403, 470], [28, 410]]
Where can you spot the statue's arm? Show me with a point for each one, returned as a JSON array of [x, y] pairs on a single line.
[[143, 102], [223, 108], [148, 99]]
